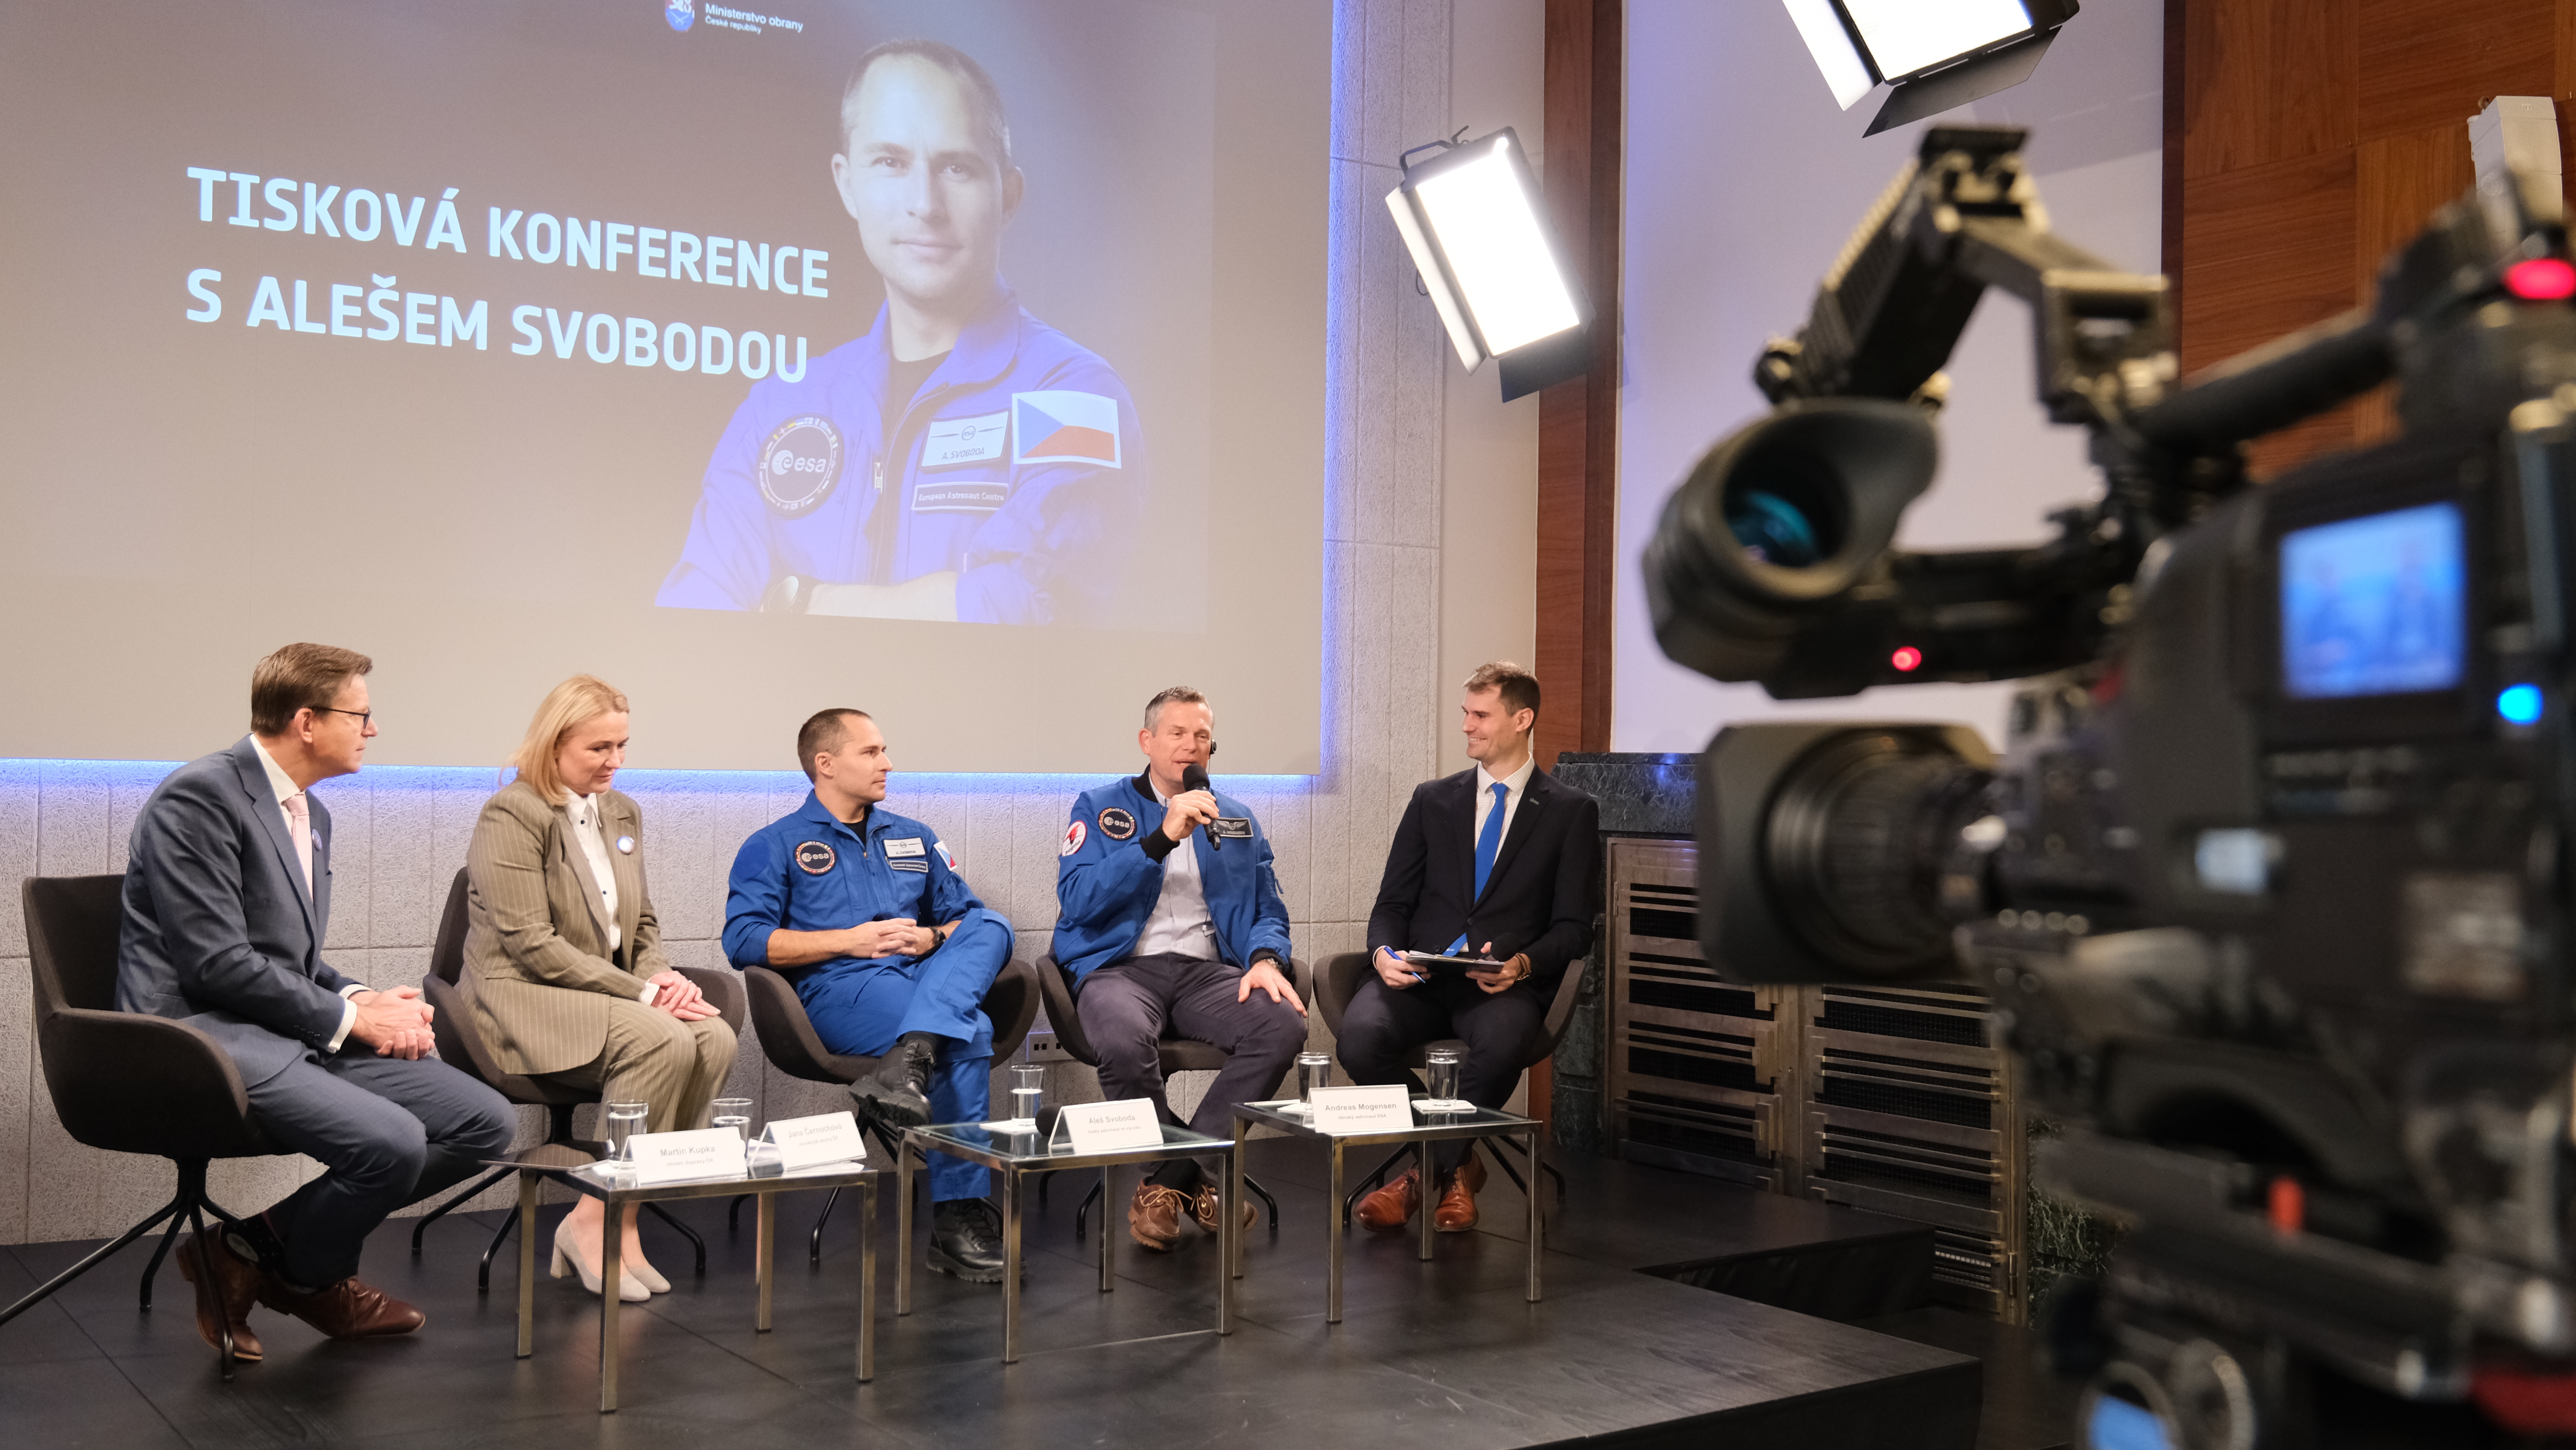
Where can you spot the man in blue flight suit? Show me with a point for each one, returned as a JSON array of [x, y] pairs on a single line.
[[1161, 922], [963, 460], [891, 953]]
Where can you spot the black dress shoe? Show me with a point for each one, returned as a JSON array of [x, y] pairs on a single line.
[[966, 1240], [897, 1094]]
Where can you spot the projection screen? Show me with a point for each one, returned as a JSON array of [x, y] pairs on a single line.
[[981, 387]]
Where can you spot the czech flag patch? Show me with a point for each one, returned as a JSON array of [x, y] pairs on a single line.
[[1059, 426]]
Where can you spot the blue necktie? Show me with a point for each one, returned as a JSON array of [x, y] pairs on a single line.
[[1488, 842]]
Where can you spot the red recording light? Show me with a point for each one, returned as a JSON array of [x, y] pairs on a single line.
[[2541, 279], [1907, 659]]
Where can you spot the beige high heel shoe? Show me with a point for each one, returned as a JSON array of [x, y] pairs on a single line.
[[631, 1289], [645, 1274]]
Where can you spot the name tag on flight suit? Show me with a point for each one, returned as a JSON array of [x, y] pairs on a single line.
[[980, 439]]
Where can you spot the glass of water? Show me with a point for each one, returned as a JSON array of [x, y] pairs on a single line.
[[1444, 1065], [1028, 1089], [734, 1113], [623, 1121], [1314, 1070]]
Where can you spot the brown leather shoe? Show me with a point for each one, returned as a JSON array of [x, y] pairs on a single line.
[[1154, 1216], [1457, 1211], [1391, 1207], [346, 1310], [1204, 1206], [236, 1288]]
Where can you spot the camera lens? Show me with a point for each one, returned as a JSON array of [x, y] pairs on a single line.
[[1859, 834], [1772, 529], [1776, 524]]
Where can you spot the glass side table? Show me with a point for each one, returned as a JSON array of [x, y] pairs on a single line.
[[1428, 1128], [1016, 1155], [577, 1171]]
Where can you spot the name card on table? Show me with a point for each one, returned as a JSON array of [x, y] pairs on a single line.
[[679, 1157], [1363, 1109], [823, 1138], [1108, 1127]]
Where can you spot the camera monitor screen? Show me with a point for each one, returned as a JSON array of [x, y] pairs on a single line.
[[2374, 605]]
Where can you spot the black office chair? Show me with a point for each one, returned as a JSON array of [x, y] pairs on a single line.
[[1340, 980], [125, 1081], [787, 1035], [461, 1046], [1178, 1054]]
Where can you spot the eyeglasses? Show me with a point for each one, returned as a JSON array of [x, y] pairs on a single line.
[[365, 717]]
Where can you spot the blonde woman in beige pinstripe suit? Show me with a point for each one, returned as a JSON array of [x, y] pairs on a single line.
[[563, 953]]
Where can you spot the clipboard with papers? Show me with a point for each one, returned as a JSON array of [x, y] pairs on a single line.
[[1455, 966]]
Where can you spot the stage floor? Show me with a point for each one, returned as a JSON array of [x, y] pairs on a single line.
[[1428, 1356]]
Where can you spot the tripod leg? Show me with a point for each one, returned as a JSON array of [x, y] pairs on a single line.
[[500, 1236], [421, 1225], [1082, 1213], [686, 1232], [814, 1245], [161, 1251], [192, 1194], [1263, 1194], [205, 1290]]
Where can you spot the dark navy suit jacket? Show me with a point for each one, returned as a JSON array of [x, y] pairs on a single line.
[[217, 931], [1542, 894]]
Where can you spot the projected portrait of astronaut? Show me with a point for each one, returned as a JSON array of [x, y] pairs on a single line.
[[963, 460]]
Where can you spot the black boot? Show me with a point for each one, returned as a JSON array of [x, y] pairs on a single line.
[[966, 1240], [897, 1095]]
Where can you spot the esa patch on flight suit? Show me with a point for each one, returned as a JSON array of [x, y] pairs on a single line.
[[800, 465]]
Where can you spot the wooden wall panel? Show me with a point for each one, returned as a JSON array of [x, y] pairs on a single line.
[[2432, 63], [2263, 82], [2312, 137], [1578, 432]]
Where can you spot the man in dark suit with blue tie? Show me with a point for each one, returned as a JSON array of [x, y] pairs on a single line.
[[1499, 861], [227, 901]]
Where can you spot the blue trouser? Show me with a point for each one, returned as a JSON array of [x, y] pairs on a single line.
[[391, 1130], [861, 1008]]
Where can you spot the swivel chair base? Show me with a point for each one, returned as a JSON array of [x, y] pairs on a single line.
[[558, 1134], [189, 1208], [831, 1200]]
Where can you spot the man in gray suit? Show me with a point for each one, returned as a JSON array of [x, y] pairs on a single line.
[[227, 901]]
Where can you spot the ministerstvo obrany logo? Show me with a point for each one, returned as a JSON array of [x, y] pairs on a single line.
[[681, 13]]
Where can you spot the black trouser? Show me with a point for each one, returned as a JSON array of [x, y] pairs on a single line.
[[1502, 1030], [1127, 1005]]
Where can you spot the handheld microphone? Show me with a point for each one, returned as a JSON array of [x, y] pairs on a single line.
[[1194, 777]]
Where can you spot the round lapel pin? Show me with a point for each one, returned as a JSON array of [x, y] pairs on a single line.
[[626, 845]]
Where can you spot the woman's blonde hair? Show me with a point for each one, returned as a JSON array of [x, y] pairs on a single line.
[[576, 701]]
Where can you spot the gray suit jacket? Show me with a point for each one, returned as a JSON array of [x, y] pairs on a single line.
[[218, 931], [538, 970]]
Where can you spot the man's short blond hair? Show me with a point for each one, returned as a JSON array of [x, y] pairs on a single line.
[[1176, 695], [576, 701]]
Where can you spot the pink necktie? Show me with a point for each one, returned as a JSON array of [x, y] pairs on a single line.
[[299, 824]]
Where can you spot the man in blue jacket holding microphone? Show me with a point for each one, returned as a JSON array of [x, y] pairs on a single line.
[[1170, 917]]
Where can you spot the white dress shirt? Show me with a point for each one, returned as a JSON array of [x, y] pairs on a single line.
[[583, 812], [1516, 789], [284, 787], [1180, 925]]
